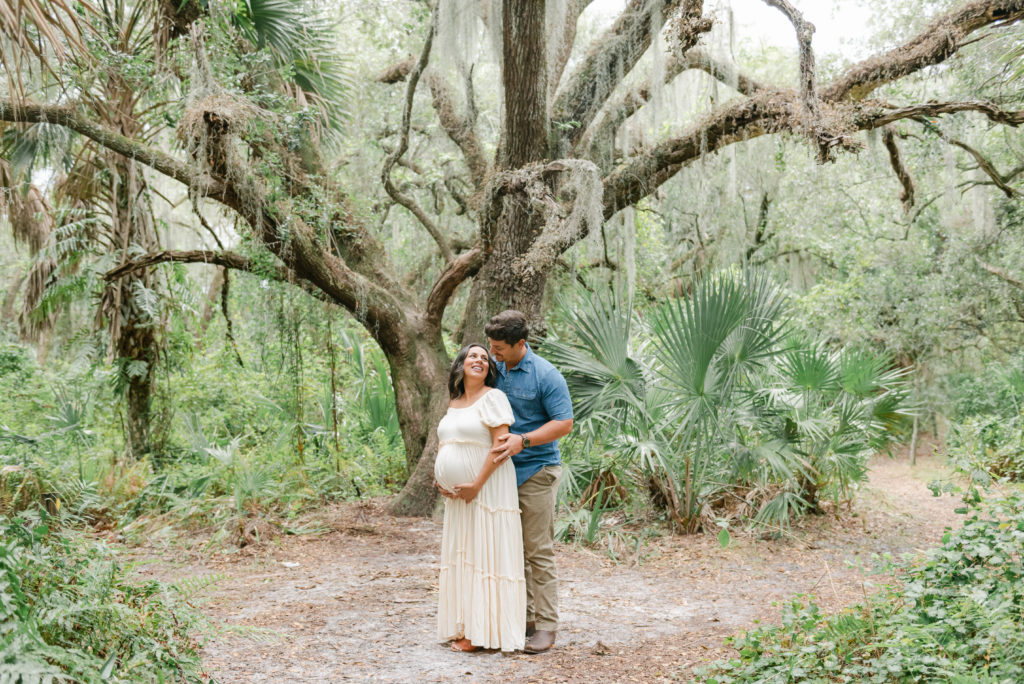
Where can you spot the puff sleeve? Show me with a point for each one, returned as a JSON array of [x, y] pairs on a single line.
[[495, 410]]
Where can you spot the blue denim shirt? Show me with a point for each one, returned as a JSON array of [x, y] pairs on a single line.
[[538, 394]]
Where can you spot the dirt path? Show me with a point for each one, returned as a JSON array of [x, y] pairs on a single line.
[[357, 604]]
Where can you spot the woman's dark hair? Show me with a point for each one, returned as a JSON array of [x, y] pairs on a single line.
[[509, 327], [457, 374]]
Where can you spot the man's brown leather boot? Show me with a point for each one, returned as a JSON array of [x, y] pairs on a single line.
[[541, 641]]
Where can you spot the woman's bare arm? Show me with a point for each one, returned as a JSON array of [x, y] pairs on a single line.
[[468, 491]]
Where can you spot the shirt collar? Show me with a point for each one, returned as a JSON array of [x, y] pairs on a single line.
[[527, 360]]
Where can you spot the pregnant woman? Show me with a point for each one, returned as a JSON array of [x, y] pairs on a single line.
[[482, 600]]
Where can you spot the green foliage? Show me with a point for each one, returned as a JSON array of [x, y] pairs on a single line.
[[958, 615], [833, 409], [70, 612], [988, 447], [15, 360], [301, 41], [986, 437], [995, 389], [717, 405], [268, 439]]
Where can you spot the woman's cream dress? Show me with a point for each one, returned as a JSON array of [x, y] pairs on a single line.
[[483, 592]]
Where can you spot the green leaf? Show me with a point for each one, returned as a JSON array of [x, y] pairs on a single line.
[[108, 667], [724, 538]]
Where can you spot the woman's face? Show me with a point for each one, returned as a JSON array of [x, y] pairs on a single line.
[[476, 364]]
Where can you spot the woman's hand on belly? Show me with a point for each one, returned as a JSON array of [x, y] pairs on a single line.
[[445, 493], [467, 491]]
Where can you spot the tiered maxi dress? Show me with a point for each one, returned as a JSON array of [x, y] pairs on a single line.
[[482, 588]]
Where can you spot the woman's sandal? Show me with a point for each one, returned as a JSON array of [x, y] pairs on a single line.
[[464, 646]]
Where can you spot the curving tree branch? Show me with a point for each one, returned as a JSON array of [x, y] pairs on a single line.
[[843, 109], [989, 109], [614, 54], [75, 118], [896, 161], [934, 44], [724, 72], [619, 109], [403, 145], [984, 164], [223, 258], [461, 129], [397, 72], [1000, 273], [458, 271], [563, 49], [804, 34]]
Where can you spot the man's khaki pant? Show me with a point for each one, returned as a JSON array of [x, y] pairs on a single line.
[[537, 498]]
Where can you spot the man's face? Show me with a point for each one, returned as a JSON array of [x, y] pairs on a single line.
[[509, 353]]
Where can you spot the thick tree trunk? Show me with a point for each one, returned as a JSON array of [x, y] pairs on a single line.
[[419, 375], [525, 81], [498, 285], [132, 325]]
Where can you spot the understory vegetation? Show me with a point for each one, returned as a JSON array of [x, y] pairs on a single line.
[[717, 409], [956, 615], [986, 438], [70, 611], [303, 420]]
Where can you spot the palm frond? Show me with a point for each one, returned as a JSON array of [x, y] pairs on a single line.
[[811, 369], [863, 373], [777, 511], [597, 365], [707, 343]]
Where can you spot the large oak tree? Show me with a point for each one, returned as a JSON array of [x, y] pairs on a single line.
[[548, 185]]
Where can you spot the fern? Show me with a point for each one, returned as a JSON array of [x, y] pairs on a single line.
[[190, 587], [69, 612], [62, 291]]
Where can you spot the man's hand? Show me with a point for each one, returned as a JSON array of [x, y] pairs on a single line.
[[508, 445]]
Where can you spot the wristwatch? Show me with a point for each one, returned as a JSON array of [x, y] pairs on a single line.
[[526, 441]]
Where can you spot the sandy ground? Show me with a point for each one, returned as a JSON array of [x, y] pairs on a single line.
[[358, 603]]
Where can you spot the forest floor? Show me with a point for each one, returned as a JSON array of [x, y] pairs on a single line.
[[358, 602]]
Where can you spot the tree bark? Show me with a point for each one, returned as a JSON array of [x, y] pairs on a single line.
[[132, 324], [511, 221], [420, 379], [524, 81]]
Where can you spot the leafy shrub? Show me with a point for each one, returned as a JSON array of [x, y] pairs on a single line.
[[717, 410], [988, 447], [959, 615], [998, 389], [69, 611], [15, 360]]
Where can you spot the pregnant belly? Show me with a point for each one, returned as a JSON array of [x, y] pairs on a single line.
[[455, 465]]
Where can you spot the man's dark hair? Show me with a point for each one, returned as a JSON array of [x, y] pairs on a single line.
[[457, 373], [509, 327]]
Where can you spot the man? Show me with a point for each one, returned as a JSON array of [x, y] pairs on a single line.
[[543, 411]]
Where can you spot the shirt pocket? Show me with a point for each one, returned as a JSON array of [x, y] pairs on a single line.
[[528, 393]]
